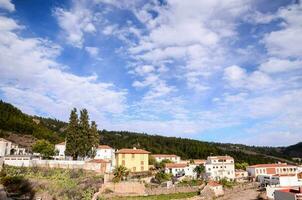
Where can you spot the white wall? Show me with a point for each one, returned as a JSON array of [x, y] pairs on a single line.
[[5, 147], [187, 171], [219, 171]]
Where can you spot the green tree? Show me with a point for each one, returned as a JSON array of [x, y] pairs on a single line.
[[45, 148], [84, 133], [162, 177], [72, 139], [241, 165], [93, 139], [199, 170], [152, 161], [119, 173]]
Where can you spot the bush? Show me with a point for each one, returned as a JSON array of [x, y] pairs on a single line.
[[161, 177], [18, 185]]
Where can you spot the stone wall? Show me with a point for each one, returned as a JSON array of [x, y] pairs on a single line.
[[162, 190], [63, 164]]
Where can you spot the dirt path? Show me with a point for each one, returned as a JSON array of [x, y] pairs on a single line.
[[249, 194]]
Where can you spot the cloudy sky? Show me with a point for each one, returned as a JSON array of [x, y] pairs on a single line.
[[225, 71]]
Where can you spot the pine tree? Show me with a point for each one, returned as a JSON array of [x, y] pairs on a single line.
[[84, 130], [72, 131], [93, 138]]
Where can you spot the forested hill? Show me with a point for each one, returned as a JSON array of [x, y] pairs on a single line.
[[14, 121]]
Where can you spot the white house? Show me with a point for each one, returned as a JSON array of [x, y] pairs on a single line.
[[216, 188], [218, 167], [171, 157], [60, 149], [10, 148], [271, 169], [107, 153], [241, 175], [181, 169], [5, 147]]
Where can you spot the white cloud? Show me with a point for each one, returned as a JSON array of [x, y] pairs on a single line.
[[76, 22], [276, 65], [7, 5], [93, 51], [286, 42], [238, 77], [30, 76]]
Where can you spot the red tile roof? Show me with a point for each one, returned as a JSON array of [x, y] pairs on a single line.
[[213, 184], [176, 165], [132, 151], [99, 161], [104, 147], [271, 165], [199, 161], [164, 155]]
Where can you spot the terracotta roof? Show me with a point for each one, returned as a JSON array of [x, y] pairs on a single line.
[[133, 151], [176, 165], [199, 161], [271, 165], [62, 143], [221, 157], [98, 161], [164, 155], [104, 147], [213, 184]]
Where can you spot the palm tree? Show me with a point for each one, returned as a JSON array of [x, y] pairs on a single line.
[[119, 173], [200, 169]]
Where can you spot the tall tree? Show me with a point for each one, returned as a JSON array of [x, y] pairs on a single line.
[[93, 138], [72, 133], [84, 134]]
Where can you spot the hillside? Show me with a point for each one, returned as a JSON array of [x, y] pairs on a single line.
[[14, 123]]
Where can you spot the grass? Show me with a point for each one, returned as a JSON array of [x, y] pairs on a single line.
[[158, 197], [60, 184]]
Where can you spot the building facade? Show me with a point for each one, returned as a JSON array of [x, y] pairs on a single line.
[[181, 169], [9, 148], [60, 150], [160, 157], [136, 160], [271, 169], [219, 167]]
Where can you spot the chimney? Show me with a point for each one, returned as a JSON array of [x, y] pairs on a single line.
[[134, 147]]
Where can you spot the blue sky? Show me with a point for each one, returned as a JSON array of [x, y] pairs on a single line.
[[224, 71]]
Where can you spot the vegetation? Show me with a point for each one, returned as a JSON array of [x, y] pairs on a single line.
[[60, 184], [226, 183], [157, 197], [200, 170], [190, 182], [12, 119], [161, 177], [45, 148], [81, 137], [120, 173], [242, 166]]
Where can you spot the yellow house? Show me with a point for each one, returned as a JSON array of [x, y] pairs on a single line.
[[136, 160]]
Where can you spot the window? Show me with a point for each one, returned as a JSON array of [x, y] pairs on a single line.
[[133, 155], [142, 162], [142, 168], [123, 162], [123, 155]]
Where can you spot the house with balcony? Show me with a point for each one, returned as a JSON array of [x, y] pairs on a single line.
[[219, 167]]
